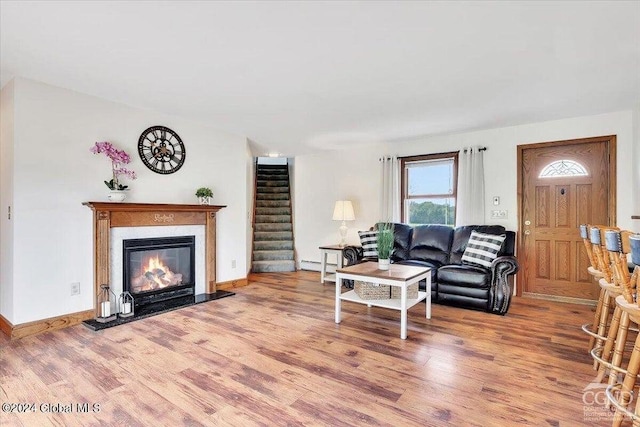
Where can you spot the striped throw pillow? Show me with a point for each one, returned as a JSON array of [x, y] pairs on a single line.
[[369, 242], [482, 249]]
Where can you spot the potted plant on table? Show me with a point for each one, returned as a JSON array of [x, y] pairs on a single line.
[[384, 241], [204, 195]]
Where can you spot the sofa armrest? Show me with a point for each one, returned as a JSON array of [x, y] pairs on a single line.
[[502, 270], [353, 254]]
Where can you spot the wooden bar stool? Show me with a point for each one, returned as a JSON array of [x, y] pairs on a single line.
[[604, 356], [620, 394], [634, 246], [617, 246], [593, 270], [602, 257]]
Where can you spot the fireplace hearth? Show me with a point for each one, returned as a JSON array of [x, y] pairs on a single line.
[[158, 308]]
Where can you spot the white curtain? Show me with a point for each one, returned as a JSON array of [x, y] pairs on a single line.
[[470, 200], [390, 195]]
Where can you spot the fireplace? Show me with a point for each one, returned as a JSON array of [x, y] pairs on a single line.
[[158, 269]]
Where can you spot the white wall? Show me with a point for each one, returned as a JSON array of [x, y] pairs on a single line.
[[249, 212], [355, 174], [54, 172], [635, 194], [321, 179], [6, 198]]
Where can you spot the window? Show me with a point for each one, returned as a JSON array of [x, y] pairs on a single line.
[[429, 189], [563, 168]]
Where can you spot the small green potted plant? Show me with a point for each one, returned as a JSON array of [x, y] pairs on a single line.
[[384, 241], [204, 195]]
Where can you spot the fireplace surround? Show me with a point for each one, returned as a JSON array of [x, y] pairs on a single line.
[[108, 215]]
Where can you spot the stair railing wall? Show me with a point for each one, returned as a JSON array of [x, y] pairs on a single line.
[[293, 228], [255, 203]]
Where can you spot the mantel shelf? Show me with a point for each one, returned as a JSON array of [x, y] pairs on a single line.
[[151, 207]]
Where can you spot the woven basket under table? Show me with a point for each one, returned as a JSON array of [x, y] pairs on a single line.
[[367, 290], [412, 292]]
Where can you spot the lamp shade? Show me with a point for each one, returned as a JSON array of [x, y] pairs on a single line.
[[343, 211]]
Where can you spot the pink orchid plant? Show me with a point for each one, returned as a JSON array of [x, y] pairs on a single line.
[[118, 158]]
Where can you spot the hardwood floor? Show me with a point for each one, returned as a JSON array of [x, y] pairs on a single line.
[[272, 355]]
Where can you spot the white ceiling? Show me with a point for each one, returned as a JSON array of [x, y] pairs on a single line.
[[294, 76]]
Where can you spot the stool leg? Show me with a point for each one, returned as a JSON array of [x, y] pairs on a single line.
[[596, 319], [636, 422], [621, 340], [609, 343], [602, 326], [628, 383]]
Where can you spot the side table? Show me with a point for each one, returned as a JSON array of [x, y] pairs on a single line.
[[324, 251]]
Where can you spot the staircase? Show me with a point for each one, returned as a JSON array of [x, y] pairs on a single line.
[[273, 230]]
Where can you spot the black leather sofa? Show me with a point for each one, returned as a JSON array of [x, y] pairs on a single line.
[[452, 282]]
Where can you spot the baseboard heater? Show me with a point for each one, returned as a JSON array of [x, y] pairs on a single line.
[[315, 266]]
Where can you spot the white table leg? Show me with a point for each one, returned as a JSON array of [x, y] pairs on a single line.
[[403, 312], [323, 265], [428, 289], [338, 292]]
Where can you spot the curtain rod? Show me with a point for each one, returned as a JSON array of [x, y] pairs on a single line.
[[479, 149], [436, 154]]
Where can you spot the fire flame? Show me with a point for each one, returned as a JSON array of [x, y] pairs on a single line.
[[155, 275], [155, 263]]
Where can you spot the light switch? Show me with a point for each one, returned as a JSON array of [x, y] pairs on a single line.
[[501, 214]]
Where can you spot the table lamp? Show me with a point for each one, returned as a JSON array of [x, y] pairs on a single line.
[[343, 211]]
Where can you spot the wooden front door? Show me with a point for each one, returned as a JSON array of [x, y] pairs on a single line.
[[563, 184]]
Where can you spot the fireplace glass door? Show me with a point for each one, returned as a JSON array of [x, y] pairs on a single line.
[[159, 268]]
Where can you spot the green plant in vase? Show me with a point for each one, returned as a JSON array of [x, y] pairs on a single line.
[[204, 195], [384, 242]]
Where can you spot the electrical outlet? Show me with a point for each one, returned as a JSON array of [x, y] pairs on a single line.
[[233, 263], [75, 288], [496, 200], [499, 214]]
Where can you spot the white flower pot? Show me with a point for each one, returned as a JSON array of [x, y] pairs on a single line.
[[116, 196], [204, 200], [383, 264]]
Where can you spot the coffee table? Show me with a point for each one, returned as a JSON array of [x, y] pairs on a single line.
[[397, 275]]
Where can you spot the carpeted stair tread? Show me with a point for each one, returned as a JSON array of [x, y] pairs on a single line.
[[272, 196], [273, 235], [272, 266], [262, 190], [260, 219], [273, 183], [272, 203], [274, 226], [285, 210], [284, 255], [272, 245]]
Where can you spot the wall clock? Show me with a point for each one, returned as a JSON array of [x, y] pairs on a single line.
[[161, 150]]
